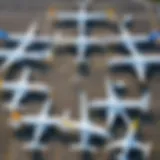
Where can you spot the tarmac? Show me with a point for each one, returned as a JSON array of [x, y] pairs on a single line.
[[61, 76]]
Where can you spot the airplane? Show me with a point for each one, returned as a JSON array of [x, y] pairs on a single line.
[[84, 127], [82, 42], [137, 60], [39, 39], [129, 143], [40, 121], [82, 17], [19, 54], [115, 106], [139, 63], [21, 87], [125, 38]]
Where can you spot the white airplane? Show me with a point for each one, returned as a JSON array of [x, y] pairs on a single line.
[[18, 36], [83, 16], [128, 143], [82, 42], [19, 54], [125, 38], [84, 127], [115, 106], [138, 61], [21, 87], [40, 122]]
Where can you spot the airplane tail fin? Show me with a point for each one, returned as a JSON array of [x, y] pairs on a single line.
[[80, 147], [84, 3], [134, 126], [1, 83], [127, 20], [33, 27], [15, 120], [26, 73], [67, 114], [145, 101], [31, 146], [47, 106], [147, 150]]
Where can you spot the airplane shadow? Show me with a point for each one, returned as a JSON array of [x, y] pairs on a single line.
[[35, 46], [37, 156], [30, 97], [133, 155], [19, 67], [83, 69], [90, 25], [152, 70], [86, 156], [144, 48]]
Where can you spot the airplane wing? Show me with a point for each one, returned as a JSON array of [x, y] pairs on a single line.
[[67, 16], [29, 120], [98, 104], [37, 56], [7, 64], [142, 104], [115, 40], [38, 39], [16, 99], [99, 131], [132, 104], [145, 148], [141, 38], [97, 16], [152, 60], [61, 42], [38, 88], [94, 41], [118, 62], [8, 86], [5, 53], [115, 145]]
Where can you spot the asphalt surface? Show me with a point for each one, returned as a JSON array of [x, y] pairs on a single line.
[[62, 77]]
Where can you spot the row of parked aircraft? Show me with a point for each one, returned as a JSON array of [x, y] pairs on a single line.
[[136, 60], [113, 105], [20, 54], [84, 127]]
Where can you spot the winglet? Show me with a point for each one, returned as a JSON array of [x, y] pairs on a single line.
[[49, 59], [135, 124], [16, 116], [51, 12], [111, 13], [1, 82], [146, 101]]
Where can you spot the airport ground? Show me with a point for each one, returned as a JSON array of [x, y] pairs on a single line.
[[16, 15]]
